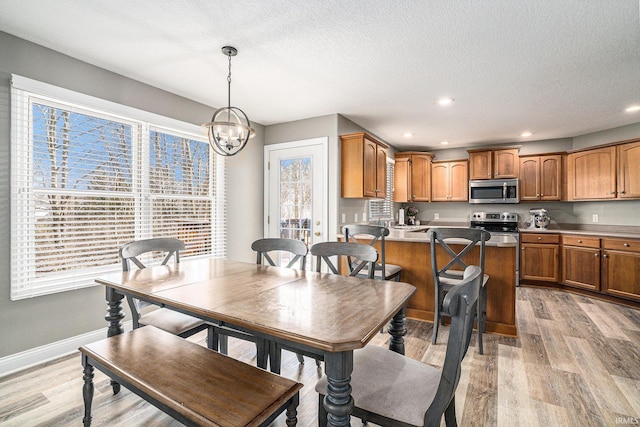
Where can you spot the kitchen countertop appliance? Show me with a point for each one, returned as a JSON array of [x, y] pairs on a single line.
[[538, 219], [500, 224]]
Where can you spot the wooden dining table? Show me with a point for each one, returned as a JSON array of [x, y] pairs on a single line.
[[324, 314]]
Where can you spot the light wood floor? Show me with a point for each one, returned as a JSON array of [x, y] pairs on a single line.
[[576, 363]]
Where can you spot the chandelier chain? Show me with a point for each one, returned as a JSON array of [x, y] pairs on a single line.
[[229, 83]]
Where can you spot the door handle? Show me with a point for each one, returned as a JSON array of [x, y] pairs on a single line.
[[318, 234]]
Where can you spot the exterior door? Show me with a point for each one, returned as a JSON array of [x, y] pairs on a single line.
[[296, 192]]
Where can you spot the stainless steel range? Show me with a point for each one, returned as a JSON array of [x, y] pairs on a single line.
[[500, 224]]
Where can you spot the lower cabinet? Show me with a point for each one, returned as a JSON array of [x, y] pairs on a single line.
[[581, 262], [539, 257], [607, 265], [621, 268]]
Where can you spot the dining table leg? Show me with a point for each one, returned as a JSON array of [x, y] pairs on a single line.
[[114, 317], [338, 401], [397, 330]]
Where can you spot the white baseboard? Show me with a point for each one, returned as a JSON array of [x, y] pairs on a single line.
[[35, 356]]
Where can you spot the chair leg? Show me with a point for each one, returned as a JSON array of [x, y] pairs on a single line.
[[450, 414], [322, 412], [223, 341], [275, 357], [436, 317], [482, 318], [211, 341]]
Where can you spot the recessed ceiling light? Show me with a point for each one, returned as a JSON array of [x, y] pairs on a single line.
[[408, 134], [633, 109], [444, 142], [445, 101], [526, 134]]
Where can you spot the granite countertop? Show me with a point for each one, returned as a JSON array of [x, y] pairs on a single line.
[[589, 230], [418, 233]]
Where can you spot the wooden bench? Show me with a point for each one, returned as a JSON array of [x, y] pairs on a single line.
[[194, 385]]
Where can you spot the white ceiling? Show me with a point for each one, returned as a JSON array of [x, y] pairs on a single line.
[[558, 68]]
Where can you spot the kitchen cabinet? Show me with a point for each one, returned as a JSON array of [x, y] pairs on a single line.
[[581, 262], [364, 166], [591, 174], [539, 257], [493, 164], [621, 267], [628, 185], [450, 181], [541, 177], [412, 181]]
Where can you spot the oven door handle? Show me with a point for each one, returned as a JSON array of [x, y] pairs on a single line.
[[504, 191]]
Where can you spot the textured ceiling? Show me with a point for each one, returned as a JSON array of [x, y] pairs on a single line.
[[557, 68]]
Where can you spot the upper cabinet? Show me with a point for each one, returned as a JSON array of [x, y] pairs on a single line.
[[629, 170], [541, 177], [591, 174], [412, 177], [450, 181], [492, 164], [364, 166]]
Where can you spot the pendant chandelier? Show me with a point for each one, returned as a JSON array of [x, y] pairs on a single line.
[[229, 128]]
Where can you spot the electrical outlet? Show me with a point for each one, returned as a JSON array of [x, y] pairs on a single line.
[[364, 217], [355, 217], [436, 215], [344, 218], [594, 218]]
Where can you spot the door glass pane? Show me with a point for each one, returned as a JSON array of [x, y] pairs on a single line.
[[295, 201]]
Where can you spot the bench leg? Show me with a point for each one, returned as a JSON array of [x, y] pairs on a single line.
[[292, 411], [87, 390]]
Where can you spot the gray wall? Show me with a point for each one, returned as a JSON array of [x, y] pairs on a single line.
[[38, 321]]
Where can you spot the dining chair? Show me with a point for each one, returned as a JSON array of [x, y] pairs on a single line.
[[376, 233], [448, 268], [363, 256], [145, 313], [265, 248], [390, 389]]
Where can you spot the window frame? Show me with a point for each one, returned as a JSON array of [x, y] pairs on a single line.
[[24, 92]]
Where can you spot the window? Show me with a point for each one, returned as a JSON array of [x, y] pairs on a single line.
[[383, 209], [89, 175]]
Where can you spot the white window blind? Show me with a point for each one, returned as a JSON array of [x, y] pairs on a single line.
[[89, 175], [384, 208]]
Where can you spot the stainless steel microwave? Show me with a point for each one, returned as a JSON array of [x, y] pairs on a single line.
[[493, 191]]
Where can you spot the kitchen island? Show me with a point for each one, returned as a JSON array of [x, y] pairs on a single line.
[[410, 249]]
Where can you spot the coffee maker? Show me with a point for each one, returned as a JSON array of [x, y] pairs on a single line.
[[538, 219]]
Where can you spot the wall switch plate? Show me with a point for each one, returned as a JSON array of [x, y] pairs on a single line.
[[344, 218], [355, 217], [436, 215], [364, 217], [594, 218]]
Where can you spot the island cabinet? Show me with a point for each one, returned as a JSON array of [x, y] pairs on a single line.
[[500, 265], [364, 166], [540, 256], [493, 164], [541, 177], [412, 177], [450, 181], [621, 267], [581, 262]]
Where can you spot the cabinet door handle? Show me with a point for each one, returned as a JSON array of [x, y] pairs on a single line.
[[605, 256], [579, 241], [626, 245], [623, 192], [613, 192], [539, 238], [595, 255]]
